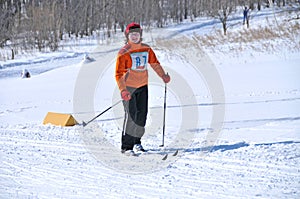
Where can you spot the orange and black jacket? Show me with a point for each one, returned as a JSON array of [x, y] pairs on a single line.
[[132, 65]]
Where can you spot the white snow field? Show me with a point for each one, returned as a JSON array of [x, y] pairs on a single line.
[[233, 115]]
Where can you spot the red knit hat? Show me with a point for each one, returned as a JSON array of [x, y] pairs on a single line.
[[133, 27]]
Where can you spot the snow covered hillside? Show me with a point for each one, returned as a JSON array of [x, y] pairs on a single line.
[[233, 115]]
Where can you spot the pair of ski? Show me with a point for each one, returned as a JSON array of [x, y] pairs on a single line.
[[165, 154]]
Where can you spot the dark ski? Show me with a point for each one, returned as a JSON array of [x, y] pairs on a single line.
[[166, 156]]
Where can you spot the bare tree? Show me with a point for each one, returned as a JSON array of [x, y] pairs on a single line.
[[8, 11], [41, 24], [222, 10]]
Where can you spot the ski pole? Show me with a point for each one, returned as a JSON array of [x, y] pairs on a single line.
[[86, 123], [164, 120]]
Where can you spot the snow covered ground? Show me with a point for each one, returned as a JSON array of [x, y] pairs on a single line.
[[234, 118]]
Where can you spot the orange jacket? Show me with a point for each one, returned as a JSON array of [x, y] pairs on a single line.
[[132, 63]]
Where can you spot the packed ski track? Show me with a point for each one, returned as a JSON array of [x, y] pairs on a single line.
[[255, 155], [57, 164]]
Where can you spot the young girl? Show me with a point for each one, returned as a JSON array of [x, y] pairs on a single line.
[[132, 79]]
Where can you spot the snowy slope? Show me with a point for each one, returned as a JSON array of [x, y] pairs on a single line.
[[256, 153]]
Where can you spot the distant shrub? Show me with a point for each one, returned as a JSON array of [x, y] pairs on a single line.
[[271, 36]]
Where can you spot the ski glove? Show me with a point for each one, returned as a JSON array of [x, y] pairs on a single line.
[[125, 94], [166, 78]]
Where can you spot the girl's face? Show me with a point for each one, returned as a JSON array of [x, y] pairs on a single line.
[[134, 37]]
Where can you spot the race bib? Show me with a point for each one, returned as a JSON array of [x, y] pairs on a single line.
[[139, 61]]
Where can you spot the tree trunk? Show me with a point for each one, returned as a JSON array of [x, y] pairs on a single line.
[[224, 27], [185, 9], [12, 54]]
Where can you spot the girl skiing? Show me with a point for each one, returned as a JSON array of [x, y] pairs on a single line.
[[132, 79]]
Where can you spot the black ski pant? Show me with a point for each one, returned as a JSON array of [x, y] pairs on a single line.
[[136, 110]]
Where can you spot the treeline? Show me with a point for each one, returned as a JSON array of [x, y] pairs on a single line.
[[42, 23]]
